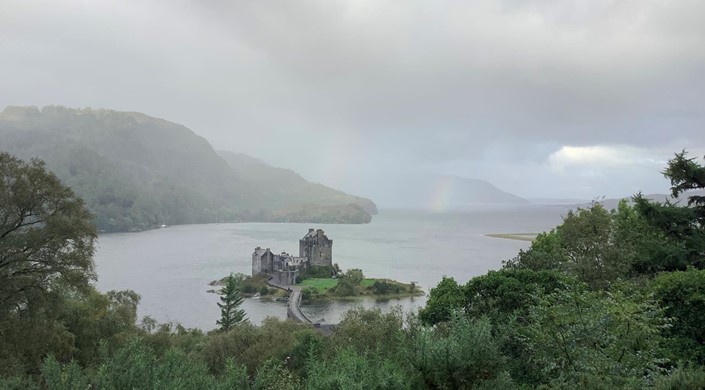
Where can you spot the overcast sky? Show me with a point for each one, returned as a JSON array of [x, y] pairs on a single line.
[[542, 98]]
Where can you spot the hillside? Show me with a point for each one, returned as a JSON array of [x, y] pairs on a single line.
[[285, 188], [137, 172]]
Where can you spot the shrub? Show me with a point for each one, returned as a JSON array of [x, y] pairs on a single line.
[[381, 287]]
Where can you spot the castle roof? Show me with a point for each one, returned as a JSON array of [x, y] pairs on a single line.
[[259, 252], [313, 233]]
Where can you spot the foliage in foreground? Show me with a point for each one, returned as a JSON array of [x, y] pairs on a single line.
[[608, 299]]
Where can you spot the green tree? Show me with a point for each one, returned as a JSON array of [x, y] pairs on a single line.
[[501, 294], [370, 330], [545, 253], [594, 256], [595, 245], [444, 299], [682, 226], [682, 294], [46, 243], [686, 174], [230, 301], [354, 275], [46, 234], [381, 287], [462, 355], [594, 339], [349, 282]]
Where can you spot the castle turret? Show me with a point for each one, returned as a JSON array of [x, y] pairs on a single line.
[[317, 248], [262, 261]]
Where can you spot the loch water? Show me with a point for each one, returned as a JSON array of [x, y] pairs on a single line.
[[171, 267]]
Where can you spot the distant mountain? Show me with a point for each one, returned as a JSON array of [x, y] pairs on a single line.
[[439, 192], [136, 172], [557, 201]]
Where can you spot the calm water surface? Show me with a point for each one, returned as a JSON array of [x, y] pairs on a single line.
[[170, 268]]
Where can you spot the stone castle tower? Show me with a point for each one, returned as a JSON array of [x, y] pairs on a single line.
[[317, 248]]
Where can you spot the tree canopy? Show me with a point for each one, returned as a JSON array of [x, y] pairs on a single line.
[[46, 233]]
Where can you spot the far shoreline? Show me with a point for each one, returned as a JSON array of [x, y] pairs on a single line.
[[514, 236]]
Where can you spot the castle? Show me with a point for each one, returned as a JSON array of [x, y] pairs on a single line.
[[315, 249]]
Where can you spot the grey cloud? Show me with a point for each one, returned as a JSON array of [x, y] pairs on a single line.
[[409, 84]]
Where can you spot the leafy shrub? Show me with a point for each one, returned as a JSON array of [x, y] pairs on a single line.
[[462, 355], [685, 378], [381, 287], [351, 370], [68, 377], [308, 293]]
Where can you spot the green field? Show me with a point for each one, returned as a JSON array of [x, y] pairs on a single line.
[[368, 282], [322, 284]]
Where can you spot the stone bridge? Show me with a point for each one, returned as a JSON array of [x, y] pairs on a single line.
[[293, 309]]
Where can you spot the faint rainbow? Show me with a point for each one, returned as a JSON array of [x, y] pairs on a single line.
[[441, 193]]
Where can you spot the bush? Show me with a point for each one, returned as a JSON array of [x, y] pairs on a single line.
[[264, 290], [308, 293], [463, 355], [345, 288], [682, 295], [351, 370], [18, 383], [68, 377], [686, 378], [381, 287]]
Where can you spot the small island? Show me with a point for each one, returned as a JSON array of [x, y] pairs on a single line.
[[318, 277], [314, 274]]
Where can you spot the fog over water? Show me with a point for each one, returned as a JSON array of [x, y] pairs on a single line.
[[171, 267]]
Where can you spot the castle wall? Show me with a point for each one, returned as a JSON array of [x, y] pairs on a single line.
[[321, 255], [285, 277], [256, 264]]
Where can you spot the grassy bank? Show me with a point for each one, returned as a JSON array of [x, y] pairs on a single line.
[[326, 288]]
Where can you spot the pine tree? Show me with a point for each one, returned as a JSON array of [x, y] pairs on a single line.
[[230, 301], [683, 226]]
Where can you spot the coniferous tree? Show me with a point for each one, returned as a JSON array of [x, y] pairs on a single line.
[[684, 226], [230, 301]]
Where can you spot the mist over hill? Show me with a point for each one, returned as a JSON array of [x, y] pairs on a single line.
[[428, 191], [136, 172]]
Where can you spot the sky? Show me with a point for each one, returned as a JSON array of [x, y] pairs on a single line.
[[543, 98]]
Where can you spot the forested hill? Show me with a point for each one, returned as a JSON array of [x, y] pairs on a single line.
[[284, 187], [137, 172]]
